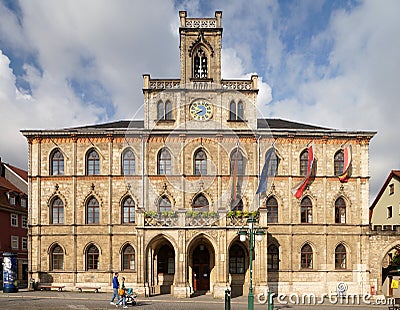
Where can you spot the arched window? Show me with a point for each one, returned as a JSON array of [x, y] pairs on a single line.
[[240, 111], [128, 211], [164, 204], [306, 210], [200, 204], [304, 162], [200, 162], [92, 211], [164, 162], [200, 70], [237, 162], [338, 162], [272, 210], [57, 258], [273, 162], [273, 257], [340, 211], [92, 163], [164, 110], [236, 111], [237, 205], [128, 162], [232, 111], [340, 257], [128, 258], [306, 257], [168, 110], [57, 211], [57, 163], [236, 260], [92, 257]]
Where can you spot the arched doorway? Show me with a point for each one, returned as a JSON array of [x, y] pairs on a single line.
[[161, 266], [201, 269], [391, 271]]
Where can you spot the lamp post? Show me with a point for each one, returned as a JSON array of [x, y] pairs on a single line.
[[253, 233]]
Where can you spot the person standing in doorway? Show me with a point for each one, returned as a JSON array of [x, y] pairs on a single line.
[[115, 286]]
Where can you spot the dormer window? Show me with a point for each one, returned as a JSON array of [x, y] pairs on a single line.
[[200, 65], [11, 200]]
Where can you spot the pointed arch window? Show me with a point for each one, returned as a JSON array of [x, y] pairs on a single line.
[[128, 258], [273, 257], [273, 162], [340, 257], [236, 260], [57, 163], [57, 258], [237, 205], [128, 162], [57, 211], [303, 162], [306, 210], [128, 207], [166, 260], [200, 204], [236, 111], [92, 257], [340, 211], [338, 162], [164, 204], [200, 65], [237, 162], [164, 162], [92, 211], [272, 210], [164, 110], [306, 257], [92, 163], [200, 162]]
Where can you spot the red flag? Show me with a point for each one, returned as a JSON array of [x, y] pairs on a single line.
[[299, 188], [344, 176]]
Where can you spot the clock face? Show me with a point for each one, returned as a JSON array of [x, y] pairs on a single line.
[[201, 110]]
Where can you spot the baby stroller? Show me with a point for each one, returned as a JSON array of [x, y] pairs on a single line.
[[130, 297]]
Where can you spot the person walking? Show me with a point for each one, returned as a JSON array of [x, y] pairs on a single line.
[[115, 286], [123, 297]]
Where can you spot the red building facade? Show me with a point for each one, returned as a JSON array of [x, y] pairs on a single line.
[[14, 218]]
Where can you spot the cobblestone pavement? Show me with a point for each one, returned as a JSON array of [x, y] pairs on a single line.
[[73, 300]]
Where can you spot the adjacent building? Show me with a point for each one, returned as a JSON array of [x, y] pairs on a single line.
[[162, 199], [14, 218]]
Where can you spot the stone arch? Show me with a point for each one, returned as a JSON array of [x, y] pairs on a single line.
[[53, 245], [88, 244]]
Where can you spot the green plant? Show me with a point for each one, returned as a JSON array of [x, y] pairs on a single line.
[[231, 214], [150, 214], [189, 213]]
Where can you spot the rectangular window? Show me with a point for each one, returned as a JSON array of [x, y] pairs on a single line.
[[14, 243], [12, 200], [389, 212], [23, 202], [14, 220], [24, 241], [24, 221], [391, 189]]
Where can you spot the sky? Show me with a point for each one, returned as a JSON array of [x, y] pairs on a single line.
[[332, 63]]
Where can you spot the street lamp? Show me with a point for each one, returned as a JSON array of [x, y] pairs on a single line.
[[254, 233]]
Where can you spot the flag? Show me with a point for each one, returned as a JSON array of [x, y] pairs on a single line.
[[299, 188], [235, 172], [344, 176], [262, 185]]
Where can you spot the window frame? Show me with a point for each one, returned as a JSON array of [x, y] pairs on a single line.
[[14, 220], [272, 258], [237, 261], [24, 243], [272, 210], [200, 207], [92, 211], [338, 162], [164, 162], [303, 163], [92, 163], [15, 242], [340, 257], [129, 210], [339, 210], [164, 204], [306, 211], [92, 258], [129, 258], [200, 163], [57, 163], [58, 210], [307, 256], [128, 163], [24, 221], [57, 258]]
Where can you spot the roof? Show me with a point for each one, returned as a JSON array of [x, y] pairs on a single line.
[[277, 123], [393, 174], [21, 173]]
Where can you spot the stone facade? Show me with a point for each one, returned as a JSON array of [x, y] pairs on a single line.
[[181, 237]]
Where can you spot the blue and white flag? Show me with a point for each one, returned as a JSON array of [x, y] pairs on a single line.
[[267, 171]]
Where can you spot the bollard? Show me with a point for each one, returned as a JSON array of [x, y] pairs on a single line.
[[227, 300], [270, 300]]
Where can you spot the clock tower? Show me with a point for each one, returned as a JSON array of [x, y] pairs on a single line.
[[200, 99]]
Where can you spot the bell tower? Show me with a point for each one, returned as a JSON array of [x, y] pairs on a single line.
[[200, 48]]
